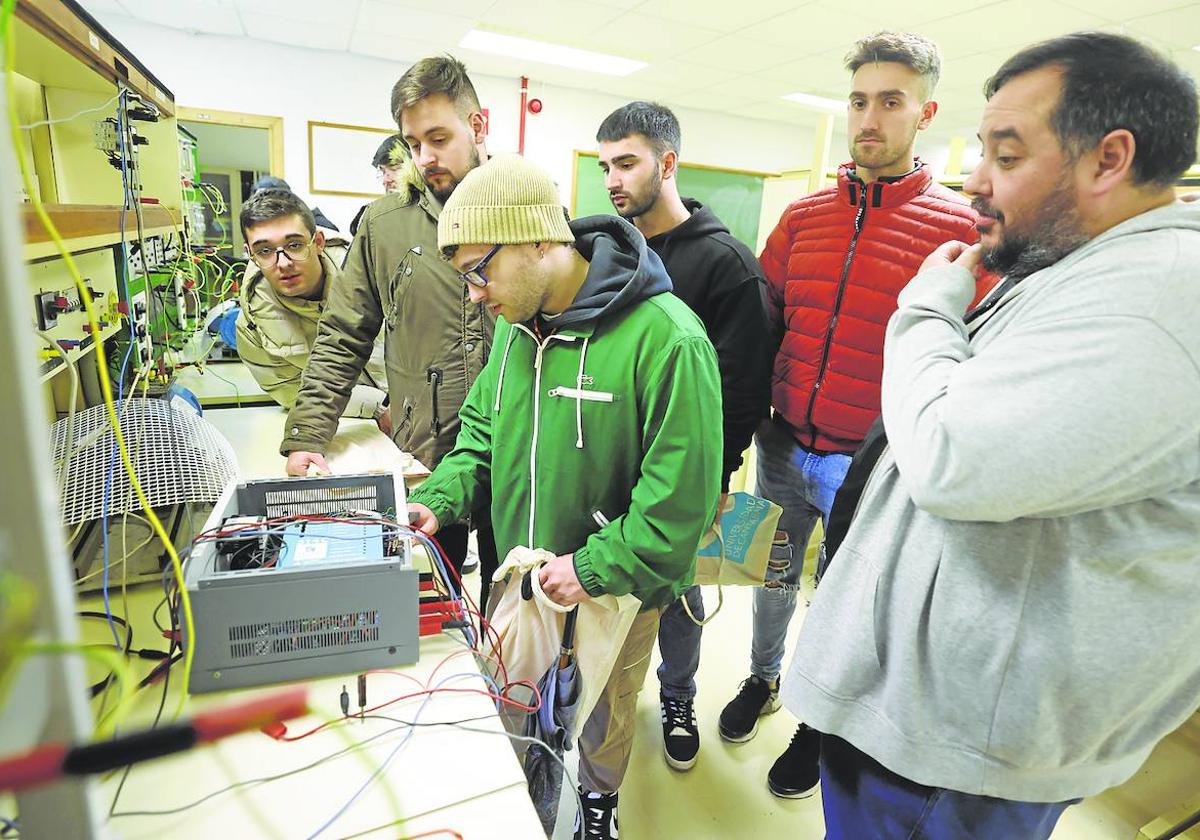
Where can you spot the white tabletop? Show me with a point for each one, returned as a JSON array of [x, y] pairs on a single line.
[[440, 777]]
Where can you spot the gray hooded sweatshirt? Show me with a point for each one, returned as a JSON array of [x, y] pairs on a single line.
[[1015, 611]]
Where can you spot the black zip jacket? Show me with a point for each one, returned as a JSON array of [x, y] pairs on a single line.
[[720, 280]]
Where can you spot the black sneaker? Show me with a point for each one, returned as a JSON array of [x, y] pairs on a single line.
[[681, 736], [599, 818], [796, 773], [756, 697]]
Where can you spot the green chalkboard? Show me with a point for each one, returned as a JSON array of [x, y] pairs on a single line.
[[736, 197]]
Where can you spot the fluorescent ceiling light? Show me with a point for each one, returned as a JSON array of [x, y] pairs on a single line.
[[821, 103], [1196, 48], [524, 48]]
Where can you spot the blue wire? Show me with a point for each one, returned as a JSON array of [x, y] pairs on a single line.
[[432, 548], [122, 104], [384, 765]]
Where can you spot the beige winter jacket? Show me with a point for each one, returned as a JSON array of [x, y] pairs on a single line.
[[275, 335]]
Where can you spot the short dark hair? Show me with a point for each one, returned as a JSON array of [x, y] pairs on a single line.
[[1110, 82], [384, 155], [653, 121], [271, 204], [915, 52], [443, 74]]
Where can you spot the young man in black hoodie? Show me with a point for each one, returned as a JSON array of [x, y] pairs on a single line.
[[719, 278]]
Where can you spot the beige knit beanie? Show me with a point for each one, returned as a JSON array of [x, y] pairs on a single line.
[[506, 201]]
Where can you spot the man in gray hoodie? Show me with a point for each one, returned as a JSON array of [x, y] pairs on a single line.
[[1010, 623]]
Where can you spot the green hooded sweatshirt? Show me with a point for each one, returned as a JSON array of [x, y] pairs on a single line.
[[613, 417]]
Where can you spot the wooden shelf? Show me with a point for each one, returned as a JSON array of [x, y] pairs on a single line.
[[77, 221], [87, 226]]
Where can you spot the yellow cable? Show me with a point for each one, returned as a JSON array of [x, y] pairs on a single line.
[[101, 362], [111, 658]]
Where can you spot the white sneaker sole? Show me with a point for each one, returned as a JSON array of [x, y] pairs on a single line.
[[804, 794], [676, 764], [769, 708]]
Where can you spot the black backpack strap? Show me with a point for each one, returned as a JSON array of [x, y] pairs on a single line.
[[845, 501]]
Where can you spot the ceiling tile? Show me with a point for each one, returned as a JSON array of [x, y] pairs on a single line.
[[784, 112], [1148, 40], [717, 14], [567, 22], [680, 74], [440, 31], [1179, 27], [650, 39], [216, 17], [1119, 11], [282, 30], [971, 71], [315, 11], [1006, 25], [874, 15], [403, 50], [811, 29], [740, 55], [462, 8], [750, 88], [821, 75], [700, 99], [639, 87]]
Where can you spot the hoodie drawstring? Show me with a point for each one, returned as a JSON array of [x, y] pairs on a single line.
[[503, 362], [578, 395]]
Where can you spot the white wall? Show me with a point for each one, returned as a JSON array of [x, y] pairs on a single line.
[[231, 146], [238, 74]]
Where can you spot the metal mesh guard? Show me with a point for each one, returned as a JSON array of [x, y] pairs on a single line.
[[178, 457]]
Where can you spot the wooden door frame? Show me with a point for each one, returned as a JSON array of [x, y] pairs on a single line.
[[273, 125]]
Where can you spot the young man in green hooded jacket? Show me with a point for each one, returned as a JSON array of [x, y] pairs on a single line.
[[595, 425]]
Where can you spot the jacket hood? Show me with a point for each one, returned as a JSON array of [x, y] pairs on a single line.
[[622, 270], [1177, 214], [703, 222]]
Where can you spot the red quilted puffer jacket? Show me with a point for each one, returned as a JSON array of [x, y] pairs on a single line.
[[834, 266]]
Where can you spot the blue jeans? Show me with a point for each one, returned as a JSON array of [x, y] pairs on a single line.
[[679, 643], [803, 484], [863, 800]]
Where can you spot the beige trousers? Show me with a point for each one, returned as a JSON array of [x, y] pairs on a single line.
[[607, 737]]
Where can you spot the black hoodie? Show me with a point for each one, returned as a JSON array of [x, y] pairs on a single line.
[[621, 270], [719, 278]]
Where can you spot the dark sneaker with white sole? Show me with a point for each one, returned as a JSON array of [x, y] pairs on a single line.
[[599, 818], [756, 697], [796, 773], [681, 736]]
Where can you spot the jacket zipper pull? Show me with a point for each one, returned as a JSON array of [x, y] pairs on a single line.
[[434, 376]]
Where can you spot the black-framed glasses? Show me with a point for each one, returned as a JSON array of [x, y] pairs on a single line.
[[474, 275], [266, 256]]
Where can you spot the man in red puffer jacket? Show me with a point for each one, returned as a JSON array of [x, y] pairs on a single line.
[[834, 266]]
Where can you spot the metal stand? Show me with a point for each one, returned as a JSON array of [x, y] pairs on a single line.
[[52, 691]]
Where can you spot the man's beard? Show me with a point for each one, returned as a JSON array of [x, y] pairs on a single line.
[[445, 192], [885, 155], [1054, 232], [643, 204]]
